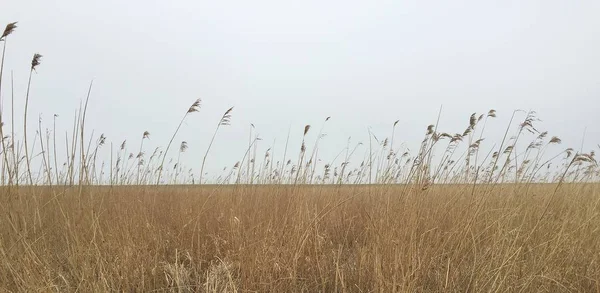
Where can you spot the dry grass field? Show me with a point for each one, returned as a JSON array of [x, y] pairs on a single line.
[[80, 213], [458, 238]]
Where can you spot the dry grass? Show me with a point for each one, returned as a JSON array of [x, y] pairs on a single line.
[[520, 214], [459, 238]]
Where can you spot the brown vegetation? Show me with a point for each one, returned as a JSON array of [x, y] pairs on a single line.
[[460, 238], [519, 215]]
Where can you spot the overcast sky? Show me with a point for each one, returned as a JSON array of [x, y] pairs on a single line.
[[282, 63]]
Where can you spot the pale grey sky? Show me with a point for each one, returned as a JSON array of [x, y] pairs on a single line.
[[364, 63]]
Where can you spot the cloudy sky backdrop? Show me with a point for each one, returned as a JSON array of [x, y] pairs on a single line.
[[291, 63]]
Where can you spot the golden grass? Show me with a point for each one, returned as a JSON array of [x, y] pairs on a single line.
[[521, 215], [276, 238]]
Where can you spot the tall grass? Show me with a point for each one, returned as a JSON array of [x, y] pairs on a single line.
[[276, 238], [456, 215], [225, 120]]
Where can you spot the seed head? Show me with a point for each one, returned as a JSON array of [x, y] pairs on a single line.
[[226, 119], [555, 139], [8, 30], [430, 129], [445, 135], [467, 131], [473, 120], [35, 61], [306, 129], [195, 107], [183, 147], [102, 140], [584, 158], [569, 152]]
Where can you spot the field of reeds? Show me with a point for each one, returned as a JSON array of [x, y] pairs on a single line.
[[79, 213]]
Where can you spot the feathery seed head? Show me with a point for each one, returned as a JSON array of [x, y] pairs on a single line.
[[542, 135], [195, 107], [35, 61], [183, 147], [457, 137], [467, 131], [8, 30], [306, 129], [226, 119], [102, 140], [472, 120], [555, 139], [569, 152], [445, 135], [430, 129], [584, 158]]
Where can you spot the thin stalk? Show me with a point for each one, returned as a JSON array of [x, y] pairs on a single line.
[[283, 163], [34, 63], [4, 148], [44, 161], [242, 162], [194, 108], [55, 156], [12, 135], [83, 168], [140, 154], [225, 120]]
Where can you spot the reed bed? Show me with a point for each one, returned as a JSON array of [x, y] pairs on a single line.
[[456, 215]]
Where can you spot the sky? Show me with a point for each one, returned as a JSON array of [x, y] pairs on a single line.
[[285, 64]]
